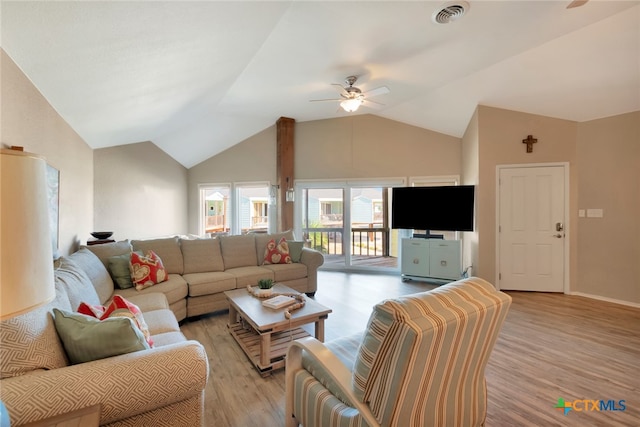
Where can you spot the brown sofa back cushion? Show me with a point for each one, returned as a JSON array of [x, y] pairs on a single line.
[[168, 249], [263, 239], [238, 251], [107, 250], [201, 256]]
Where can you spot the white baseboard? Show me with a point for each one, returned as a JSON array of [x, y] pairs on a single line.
[[615, 301]]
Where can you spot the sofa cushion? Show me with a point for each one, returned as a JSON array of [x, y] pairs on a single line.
[[161, 322], [75, 282], [168, 338], [249, 275], [239, 251], [209, 283], [149, 301], [86, 338], [286, 272], [174, 288], [277, 252], [202, 255], [147, 270], [263, 239], [29, 341], [107, 250], [98, 274], [168, 249]]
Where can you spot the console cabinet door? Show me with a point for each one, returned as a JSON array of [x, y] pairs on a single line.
[[444, 259], [415, 257]]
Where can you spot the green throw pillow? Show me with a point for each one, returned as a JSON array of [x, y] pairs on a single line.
[[86, 338], [295, 250], [120, 270]]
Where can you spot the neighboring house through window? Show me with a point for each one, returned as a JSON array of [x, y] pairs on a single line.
[[234, 208]]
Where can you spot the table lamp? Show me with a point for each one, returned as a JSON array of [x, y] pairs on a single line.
[[26, 258]]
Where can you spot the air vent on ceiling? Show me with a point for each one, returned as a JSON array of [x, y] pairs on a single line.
[[450, 12]]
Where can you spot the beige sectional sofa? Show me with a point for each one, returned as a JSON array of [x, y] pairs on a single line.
[[200, 270], [159, 386]]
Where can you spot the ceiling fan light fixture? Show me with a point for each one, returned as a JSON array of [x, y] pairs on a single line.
[[351, 105]]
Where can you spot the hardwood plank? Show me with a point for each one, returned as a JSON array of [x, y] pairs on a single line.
[[551, 346]]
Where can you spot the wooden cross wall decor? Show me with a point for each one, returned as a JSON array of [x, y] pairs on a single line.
[[529, 141]]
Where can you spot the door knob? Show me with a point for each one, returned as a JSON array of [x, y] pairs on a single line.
[[558, 236]]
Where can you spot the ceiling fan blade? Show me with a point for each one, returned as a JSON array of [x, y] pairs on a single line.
[[325, 100], [377, 91], [576, 3], [372, 104], [339, 88]]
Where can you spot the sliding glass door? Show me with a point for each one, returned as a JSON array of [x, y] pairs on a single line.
[[349, 221], [322, 222]]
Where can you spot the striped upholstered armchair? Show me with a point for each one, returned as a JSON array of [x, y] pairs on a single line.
[[420, 362]]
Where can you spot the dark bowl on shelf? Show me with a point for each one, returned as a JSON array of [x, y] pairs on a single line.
[[102, 235]]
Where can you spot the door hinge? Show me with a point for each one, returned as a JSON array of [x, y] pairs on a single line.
[[499, 276], [499, 229]]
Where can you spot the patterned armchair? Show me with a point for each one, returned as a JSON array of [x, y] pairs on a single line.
[[420, 362]]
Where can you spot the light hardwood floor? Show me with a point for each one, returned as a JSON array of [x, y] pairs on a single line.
[[551, 346]]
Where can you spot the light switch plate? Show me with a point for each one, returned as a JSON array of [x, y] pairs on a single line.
[[581, 213], [595, 213]]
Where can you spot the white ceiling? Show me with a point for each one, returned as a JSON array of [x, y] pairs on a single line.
[[198, 77]]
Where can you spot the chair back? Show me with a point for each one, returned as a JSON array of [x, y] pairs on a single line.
[[423, 356]]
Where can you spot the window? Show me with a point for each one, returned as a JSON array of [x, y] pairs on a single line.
[[253, 212], [216, 208], [237, 208]]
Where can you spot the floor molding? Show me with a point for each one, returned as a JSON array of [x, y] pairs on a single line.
[[607, 299]]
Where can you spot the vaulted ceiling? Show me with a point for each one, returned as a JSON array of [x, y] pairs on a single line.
[[198, 77]]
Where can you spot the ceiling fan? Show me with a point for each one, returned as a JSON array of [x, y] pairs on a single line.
[[576, 3], [352, 97]]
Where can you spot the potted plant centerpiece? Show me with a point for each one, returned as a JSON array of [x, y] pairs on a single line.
[[265, 287]]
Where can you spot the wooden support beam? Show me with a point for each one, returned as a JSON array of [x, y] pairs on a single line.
[[284, 170]]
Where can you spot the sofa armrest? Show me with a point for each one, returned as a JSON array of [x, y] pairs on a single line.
[[313, 259], [124, 385], [334, 368]]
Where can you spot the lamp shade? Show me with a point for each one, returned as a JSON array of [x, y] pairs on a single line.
[[26, 258]]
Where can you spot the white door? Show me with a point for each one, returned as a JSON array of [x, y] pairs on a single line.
[[531, 228]]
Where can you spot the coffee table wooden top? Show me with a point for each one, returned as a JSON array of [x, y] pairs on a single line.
[[263, 318]]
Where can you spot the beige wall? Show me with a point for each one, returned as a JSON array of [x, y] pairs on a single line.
[[28, 120], [470, 176], [368, 146], [362, 146], [253, 160], [609, 176], [140, 192], [604, 159], [500, 143]]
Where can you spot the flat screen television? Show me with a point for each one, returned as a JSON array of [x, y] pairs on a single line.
[[449, 208]]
